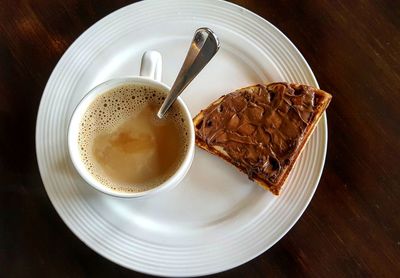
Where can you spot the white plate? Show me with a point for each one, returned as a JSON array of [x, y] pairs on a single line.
[[216, 218]]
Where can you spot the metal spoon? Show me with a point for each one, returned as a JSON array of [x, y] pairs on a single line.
[[204, 46]]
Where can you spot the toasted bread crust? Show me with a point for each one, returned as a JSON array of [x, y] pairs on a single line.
[[274, 188]]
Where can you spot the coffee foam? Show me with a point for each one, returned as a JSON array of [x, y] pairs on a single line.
[[110, 110]]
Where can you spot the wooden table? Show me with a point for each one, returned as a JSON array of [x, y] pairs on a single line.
[[351, 227]]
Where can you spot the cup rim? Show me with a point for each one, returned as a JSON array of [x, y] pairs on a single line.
[[73, 129]]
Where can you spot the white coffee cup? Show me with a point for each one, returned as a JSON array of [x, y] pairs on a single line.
[[150, 75]]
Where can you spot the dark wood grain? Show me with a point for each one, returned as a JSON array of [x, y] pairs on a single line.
[[351, 227]]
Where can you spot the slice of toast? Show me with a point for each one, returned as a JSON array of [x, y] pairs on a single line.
[[262, 129]]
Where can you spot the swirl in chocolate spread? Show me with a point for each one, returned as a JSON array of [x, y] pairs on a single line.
[[259, 127]]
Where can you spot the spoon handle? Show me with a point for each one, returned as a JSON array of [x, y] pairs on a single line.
[[204, 46]]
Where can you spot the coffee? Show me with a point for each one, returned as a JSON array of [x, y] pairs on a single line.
[[125, 146]]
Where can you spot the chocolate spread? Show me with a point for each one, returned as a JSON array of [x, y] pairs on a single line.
[[260, 127]]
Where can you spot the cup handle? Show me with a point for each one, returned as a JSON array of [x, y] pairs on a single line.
[[151, 66]]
